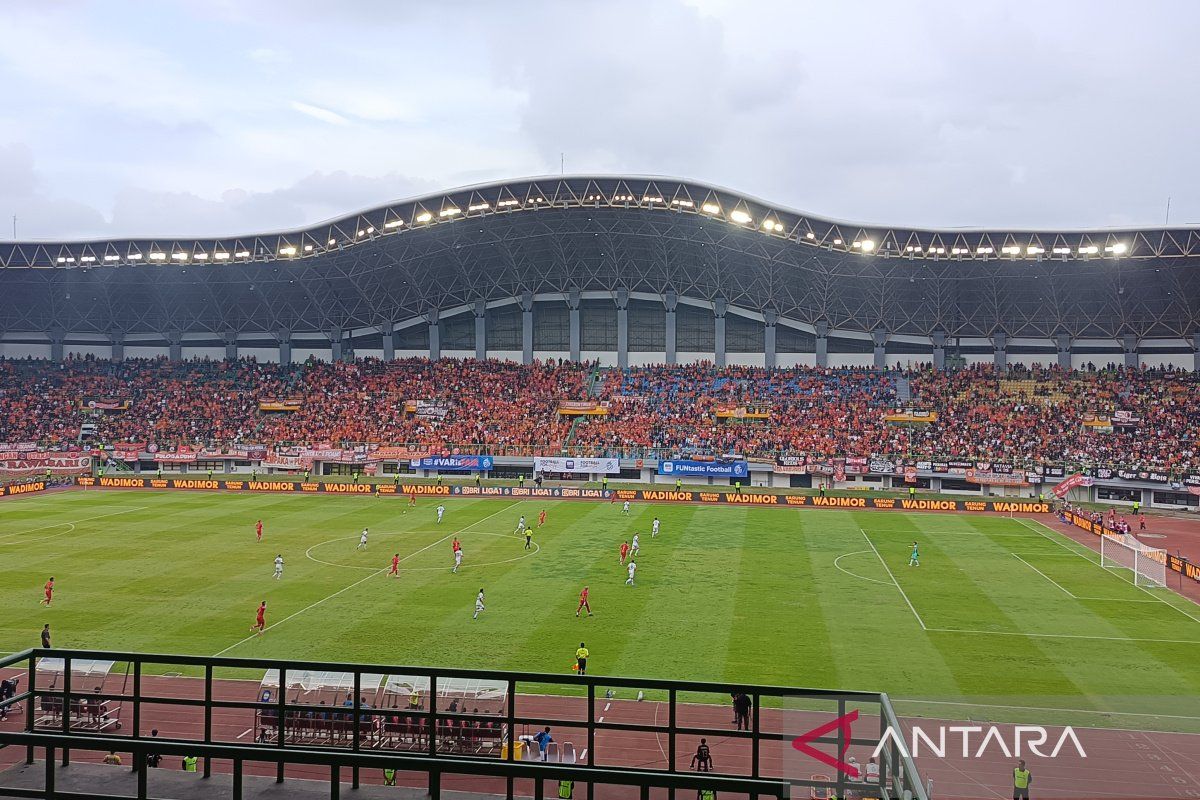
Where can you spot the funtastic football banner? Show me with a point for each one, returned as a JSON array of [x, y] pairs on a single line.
[[577, 466], [570, 493], [454, 463], [726, 469]]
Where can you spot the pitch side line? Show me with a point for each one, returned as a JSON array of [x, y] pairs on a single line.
[[1096, 563], [379, 571], [1062, 636], [894, 581]]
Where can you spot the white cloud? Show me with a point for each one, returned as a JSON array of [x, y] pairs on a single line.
[[316, 112]]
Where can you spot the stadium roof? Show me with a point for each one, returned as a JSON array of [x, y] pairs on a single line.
[[651, 193]]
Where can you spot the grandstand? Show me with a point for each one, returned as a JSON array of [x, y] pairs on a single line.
[[547, 344]]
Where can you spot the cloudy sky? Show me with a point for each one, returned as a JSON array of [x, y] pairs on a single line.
[[230, 116]]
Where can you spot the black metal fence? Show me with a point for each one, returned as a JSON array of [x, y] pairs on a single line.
[[467, 726]]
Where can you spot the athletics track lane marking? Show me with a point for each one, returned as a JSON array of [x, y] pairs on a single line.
[[379, 571]]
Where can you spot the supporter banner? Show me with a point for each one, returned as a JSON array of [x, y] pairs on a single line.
[[882, 466], [1060, 490], [567, 493], [1174, 563], [320, 455], [728, 469], [758, 411], [104, 404], [454, 463], [17, 447], [398, 454], [911, 415], [57, 463], [1123, 419], [791, 465], [995, 478], [427, 409], [1098, 421], [181, 457], [275, 405], [910, 474], [581, 408], [125, 454], [610, 466], [14, 489], [286, 462]]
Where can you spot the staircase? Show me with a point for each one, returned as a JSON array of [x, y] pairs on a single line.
[[903, 391]]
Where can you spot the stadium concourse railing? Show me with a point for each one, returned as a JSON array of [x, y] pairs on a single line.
[[764, 773]]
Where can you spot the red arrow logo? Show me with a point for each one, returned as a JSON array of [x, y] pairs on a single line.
[[801, 743]]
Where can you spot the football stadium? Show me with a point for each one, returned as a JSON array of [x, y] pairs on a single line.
[[605, 487]]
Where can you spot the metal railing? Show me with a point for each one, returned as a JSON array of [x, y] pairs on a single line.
[[61, 715]]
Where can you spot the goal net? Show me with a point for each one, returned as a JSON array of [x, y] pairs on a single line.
[[1148, 564]]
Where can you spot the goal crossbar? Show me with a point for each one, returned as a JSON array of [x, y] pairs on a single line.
[[1148, 564]]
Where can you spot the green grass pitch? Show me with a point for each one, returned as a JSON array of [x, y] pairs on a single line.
[[998, 607]]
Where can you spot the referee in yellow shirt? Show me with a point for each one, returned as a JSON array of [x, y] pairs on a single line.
[[581, 657]]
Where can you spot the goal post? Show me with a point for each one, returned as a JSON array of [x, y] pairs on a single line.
[[1148, 564]]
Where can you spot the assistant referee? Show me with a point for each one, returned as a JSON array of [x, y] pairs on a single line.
[[581, 656], [1022, 778]]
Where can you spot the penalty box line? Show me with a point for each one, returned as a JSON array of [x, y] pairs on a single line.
[[1074, 596], [1057, 537], [888, 569], [361, 581]]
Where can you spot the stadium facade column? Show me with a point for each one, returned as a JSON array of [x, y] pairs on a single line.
[[347, 345], [573, 314], [335, 344], [1129, 345], [57, 338], [1000, 350], [670, 301], [622, 300], [117, 340], [719, 310], [231, 339], [284, 337], [821, 328], [939, 349], [388, 329], [1196, 352], [879, 338], [770, 319], [526, 301], [481, 329], [1062, 343], [432, 316], [175, 345]]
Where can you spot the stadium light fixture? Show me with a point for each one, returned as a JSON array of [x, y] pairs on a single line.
[[682, 203], [424, 216], [649, 199], [866, 245], [983, 251], [308, 248], [1088, 250], [810, 235], [941, 251], [710, 208], [331, 242], [201, 256], [394, 223], [158, 256], [135, 256], [1062, 251], [507, 203], [111, 257], [370, 229], [221, 255], [1034, 250], [957, 251], [62, 259], [88, 259], [739, 216], [837, 241], [287, 251], [450, 211], [478, 207], [179, 256], [772, 225], [242, 254], [1117, 249]]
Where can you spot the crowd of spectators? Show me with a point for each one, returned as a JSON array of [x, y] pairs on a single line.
[[1115, 416], [201, 402]]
